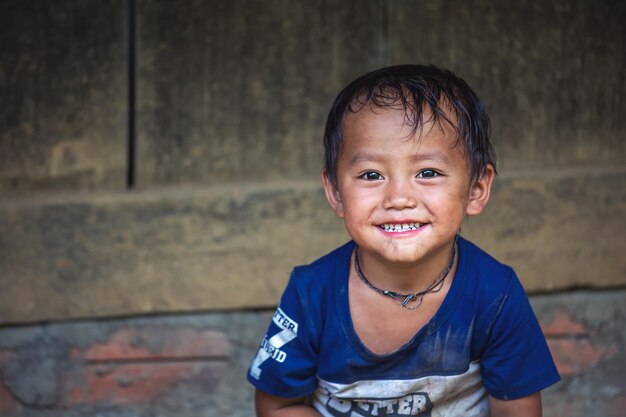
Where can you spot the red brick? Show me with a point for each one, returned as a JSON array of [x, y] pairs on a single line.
[[157, 342], [8, 405], [139, 364], [132, 383], [575, 356], [563, 324]]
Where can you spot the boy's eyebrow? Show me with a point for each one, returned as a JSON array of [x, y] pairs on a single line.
[[432, 156], [377, 157], [366, 157]]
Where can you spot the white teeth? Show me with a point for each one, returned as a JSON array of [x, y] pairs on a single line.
[[388, 227]]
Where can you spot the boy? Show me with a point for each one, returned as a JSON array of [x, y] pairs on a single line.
[[408, 318]]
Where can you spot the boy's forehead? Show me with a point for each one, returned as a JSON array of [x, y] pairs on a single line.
[[394, 121], [370, 130]]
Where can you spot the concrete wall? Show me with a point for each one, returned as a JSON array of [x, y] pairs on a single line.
[[230, 103], [63, 96]]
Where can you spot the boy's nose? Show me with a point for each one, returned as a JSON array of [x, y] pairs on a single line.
[[399, 195]]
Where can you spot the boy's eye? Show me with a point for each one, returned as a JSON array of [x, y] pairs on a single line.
[[371, 176], [427, 173]]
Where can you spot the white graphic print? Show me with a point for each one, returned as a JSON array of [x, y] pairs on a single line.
[[270, 347], [414, 404], [435, 395]]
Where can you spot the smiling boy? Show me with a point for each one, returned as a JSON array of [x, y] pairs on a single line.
[[408, 318]]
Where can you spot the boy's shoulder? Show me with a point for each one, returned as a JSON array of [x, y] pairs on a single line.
[[326, 266], [483, 269], [321, 280], [479, 256]]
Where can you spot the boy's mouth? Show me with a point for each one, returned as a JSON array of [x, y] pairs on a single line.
[[400, 227]]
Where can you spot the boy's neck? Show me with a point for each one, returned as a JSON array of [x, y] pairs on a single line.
[[406, 277]]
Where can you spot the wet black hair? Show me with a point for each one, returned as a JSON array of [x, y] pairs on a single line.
[[422, 91]]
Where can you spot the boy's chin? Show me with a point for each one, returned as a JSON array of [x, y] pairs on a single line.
[[399, 253], [406, 251]]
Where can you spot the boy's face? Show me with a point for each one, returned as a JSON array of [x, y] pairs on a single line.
[[403, 197]]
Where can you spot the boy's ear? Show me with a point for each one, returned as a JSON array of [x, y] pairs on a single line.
[[480, 192], [332, 194]]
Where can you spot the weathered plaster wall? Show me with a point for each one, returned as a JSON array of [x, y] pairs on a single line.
[[230, 104], [63, 96], [233, 247]]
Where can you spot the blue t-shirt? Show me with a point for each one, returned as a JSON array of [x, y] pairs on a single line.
[[483, 339]]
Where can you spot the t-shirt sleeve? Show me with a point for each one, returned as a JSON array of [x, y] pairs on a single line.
[[285, 364], [517, 361]]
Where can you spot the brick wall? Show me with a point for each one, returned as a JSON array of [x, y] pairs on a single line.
[[195, 365]]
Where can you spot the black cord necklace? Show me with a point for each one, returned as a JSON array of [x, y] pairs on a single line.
[[436, 285]]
